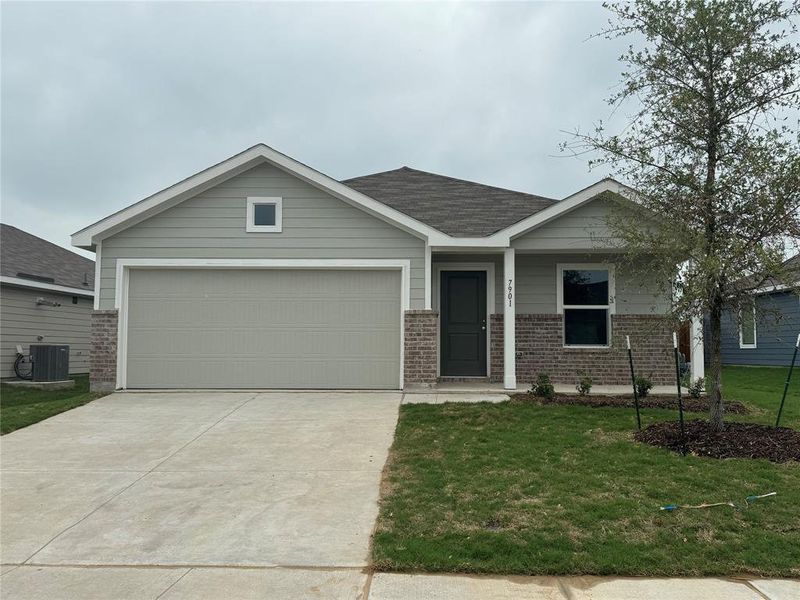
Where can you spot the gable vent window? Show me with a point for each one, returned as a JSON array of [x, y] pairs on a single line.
[[585, 294], [41, 278], [264, 215]]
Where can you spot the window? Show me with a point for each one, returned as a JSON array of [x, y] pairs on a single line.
[[585, 295], [747, 327], [264, 215]]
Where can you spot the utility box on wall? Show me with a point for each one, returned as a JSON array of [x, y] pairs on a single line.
[[50, 362]]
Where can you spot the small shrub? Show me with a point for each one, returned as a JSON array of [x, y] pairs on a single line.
[[696, 389], [542, 387], [584, 386], [686, 379], [643, 386]]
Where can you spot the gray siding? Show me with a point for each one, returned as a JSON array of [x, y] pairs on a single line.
[[775, 337], [22, 321], [212, 225], [584, 228], [536, 283]]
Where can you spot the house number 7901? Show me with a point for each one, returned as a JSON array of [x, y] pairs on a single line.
[[510, 292]]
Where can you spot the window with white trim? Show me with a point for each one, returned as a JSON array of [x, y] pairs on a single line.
[[264, 214], [585, 294], [747, 328]]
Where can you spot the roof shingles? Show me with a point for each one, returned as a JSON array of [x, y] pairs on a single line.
[[453, 206], [21, 252]]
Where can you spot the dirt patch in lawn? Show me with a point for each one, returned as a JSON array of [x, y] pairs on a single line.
[[737, 440], [670, 402]]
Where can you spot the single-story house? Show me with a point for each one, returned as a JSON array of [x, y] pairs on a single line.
[[261, 272], [766, 332], [46, 297]]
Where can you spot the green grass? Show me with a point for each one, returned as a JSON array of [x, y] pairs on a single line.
[[525, 489], [20, 407], [761, 389]]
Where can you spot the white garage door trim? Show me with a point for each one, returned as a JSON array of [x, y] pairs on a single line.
[[124, 265]]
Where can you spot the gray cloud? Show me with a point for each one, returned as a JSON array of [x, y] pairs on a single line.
[[105, 103]]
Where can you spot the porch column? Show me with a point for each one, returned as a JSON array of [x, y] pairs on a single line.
[[698, 367], [428, 280], [509, 322]]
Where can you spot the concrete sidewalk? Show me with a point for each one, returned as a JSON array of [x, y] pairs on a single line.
[[279, 583]]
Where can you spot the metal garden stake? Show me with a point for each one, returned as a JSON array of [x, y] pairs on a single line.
[[680, 400], [788, 379], [633, 383]]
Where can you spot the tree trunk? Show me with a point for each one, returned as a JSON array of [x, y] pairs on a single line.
[[716, 409]]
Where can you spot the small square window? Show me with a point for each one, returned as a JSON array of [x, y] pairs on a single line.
[[264, 215]]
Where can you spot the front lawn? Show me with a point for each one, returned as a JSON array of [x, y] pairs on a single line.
[[20, 407], [527, 489]]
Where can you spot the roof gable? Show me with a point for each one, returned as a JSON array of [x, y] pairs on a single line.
[[456, 207], [208, 178], [570, 203]]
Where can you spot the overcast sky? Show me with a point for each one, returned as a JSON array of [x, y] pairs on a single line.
[[106, 103]]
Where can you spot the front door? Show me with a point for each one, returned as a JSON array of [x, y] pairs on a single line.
[[463, 322]]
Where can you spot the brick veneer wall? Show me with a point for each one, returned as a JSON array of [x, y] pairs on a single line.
[[103, 351], [421, 327], [539, 347]]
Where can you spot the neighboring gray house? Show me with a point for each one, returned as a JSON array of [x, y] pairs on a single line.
[[46, 296], [765, 335], [260, 272]]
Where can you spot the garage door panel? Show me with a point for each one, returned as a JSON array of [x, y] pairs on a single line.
[[242, 342], [287, 283], [264, 328], [322, 374], [258, 314]]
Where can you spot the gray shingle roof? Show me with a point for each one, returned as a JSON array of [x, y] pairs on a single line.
[[21, 252], [454, 206]]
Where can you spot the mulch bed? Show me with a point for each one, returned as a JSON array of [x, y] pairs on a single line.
[[738, 440], [671, 402]]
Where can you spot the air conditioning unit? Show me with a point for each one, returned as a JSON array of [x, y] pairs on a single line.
[[50, 362]]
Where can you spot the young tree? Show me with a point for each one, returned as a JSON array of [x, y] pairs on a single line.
[[713, 150]]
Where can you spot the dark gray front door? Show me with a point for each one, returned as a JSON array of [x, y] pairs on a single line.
[[463, 322]]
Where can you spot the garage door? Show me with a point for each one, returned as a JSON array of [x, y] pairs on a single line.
[[255, 328]]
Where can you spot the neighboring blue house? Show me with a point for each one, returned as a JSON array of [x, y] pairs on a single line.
[[767, 335]]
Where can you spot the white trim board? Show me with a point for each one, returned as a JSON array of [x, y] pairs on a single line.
[[489, 268], [510, 319], [124, 267], [98, 272], [48, 287], [780, 287]]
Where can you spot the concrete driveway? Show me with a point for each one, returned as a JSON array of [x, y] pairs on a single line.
[[282, 488]]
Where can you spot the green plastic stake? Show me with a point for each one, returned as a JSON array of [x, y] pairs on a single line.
[[680, 400], [788, 379], [633, 383]]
